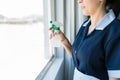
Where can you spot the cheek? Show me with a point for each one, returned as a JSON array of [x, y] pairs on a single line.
[[91, 9], [87, 10], [90, 6]]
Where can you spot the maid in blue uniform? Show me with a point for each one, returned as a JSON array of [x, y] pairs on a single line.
[[96, 48]]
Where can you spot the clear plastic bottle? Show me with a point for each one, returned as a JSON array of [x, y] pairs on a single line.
[[55, 42]]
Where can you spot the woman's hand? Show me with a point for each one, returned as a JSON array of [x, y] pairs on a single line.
[[58, 33], [64, 41]]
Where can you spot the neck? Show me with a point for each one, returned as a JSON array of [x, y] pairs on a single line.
[[95, 18]]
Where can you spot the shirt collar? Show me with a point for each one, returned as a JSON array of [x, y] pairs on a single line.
[[106, 20]]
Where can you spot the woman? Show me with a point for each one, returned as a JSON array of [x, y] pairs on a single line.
[[96, 49]]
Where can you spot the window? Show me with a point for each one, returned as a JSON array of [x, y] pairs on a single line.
[[22, 39]]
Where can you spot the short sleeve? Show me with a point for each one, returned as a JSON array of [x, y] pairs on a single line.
[[112, 57]]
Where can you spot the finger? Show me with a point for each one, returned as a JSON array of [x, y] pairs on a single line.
[[58, 32], [50, 37], [53, 32]]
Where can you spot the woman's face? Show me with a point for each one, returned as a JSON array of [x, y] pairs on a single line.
[[89, 7]]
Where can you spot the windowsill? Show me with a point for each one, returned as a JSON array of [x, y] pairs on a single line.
[[53, 71]]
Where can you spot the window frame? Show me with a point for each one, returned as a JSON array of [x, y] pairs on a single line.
[[58, 57]]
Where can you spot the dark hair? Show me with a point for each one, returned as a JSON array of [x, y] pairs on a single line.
[[115, 5]]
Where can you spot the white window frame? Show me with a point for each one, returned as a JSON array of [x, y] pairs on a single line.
[[57, 60]]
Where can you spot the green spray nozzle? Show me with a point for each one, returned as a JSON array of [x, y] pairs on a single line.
[[51, 21], [54, 26]]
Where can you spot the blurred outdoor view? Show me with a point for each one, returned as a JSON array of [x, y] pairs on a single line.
[[21, 45]]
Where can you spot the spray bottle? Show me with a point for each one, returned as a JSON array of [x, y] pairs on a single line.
[[54, 42]]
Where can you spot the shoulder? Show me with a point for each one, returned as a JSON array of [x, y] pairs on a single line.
[[112, 32], [114, 28]]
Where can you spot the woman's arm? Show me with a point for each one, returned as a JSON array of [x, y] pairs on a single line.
[[66, 44], [64, 41]]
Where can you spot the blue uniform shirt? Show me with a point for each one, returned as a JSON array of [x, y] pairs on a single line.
[[98, 54]]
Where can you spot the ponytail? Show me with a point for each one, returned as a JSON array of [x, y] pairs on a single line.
[[115, 5]]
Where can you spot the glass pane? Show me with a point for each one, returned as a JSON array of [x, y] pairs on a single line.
[[21, 46], [20, 8]]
